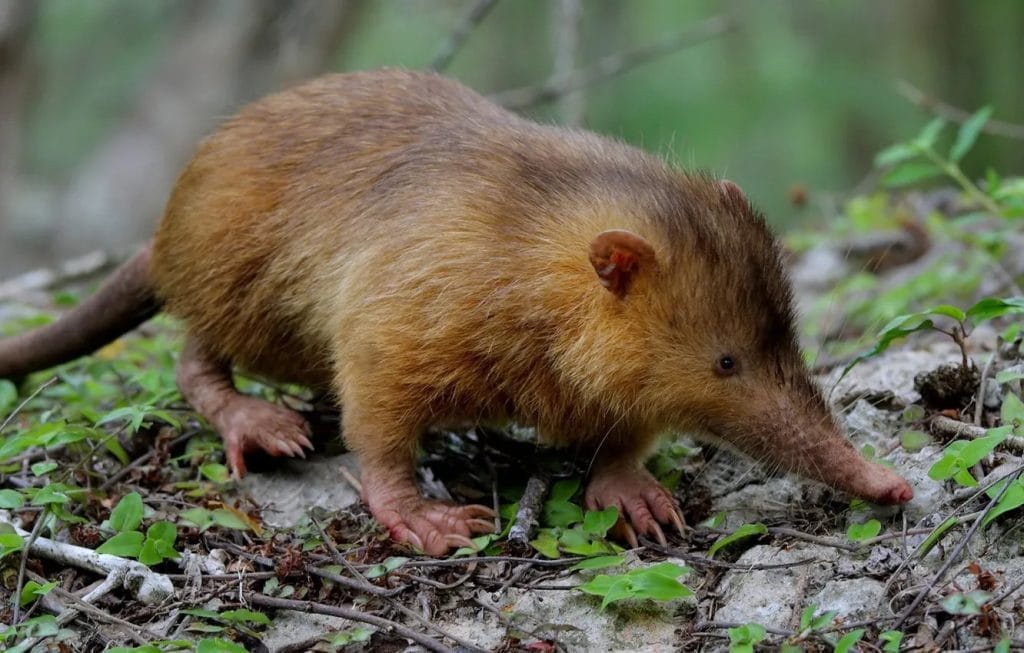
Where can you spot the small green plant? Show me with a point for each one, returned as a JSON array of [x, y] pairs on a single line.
[[967, 603], [743, 532], [658, 582], [891, 641], [150, 548], [965, 321], [742, 639], [919, 159], [865, 531], [568, 529], [241, 620]]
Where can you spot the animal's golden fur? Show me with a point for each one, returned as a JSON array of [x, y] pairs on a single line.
[[396, 239], [400, 240]]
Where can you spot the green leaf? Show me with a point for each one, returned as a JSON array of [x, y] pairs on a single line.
[[33, 590], [245, 617], [201, 517], [215, 472], [968, 603], [565, 489], [127, 514], [127, 544], [1012, 499], [228, 519], [1012, 412], [658, 587], [742, 639], [848, 640], [386, 567], [218, 646], [930, 133], [162, 531], [807, 616], [597, 522], [8, 397], [561, 514], [936, 535], [968, 133], [741, 533], [599, 562], [546, 544], [910, 173], [1009, 375], [114, 447], [867, 530], [991, 307], [50, 494], [11, 499], [894, 154], [892, 639], [914, 440]]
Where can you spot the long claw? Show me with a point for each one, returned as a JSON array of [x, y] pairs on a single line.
[[658, 534], [477, 510], [413, 539], [304, 441], [480, 525], [678, 522]]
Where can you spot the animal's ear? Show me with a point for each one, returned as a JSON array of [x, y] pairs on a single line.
[[617, 256], [732, 193]]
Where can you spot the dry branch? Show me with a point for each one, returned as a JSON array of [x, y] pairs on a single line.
[[528, 515], [473, 17], [942, 109], [612, 65]]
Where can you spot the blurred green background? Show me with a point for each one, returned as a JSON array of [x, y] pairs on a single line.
[[102, 101]]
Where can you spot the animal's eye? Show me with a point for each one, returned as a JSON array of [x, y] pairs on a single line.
[[726, 366]]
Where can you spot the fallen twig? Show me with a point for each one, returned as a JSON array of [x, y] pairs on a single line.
[[528, 516], [611, 65], [352, 615], [147, 586], [951, 428]]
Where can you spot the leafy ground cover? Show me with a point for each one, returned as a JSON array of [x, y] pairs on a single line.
[[120, 528]]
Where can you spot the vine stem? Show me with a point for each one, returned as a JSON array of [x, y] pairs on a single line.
[[953, 171]]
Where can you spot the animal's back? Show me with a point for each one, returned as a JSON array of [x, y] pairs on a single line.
[[396, 198], [283, 199]]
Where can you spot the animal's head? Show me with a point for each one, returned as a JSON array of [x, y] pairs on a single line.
[[706, 291]]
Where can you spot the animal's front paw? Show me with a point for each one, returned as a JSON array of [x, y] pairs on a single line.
[[434, 527], [248, 424], [643, 503]]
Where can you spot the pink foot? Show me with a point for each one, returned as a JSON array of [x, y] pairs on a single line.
[[434, 527], [643, 503], [249, 424]]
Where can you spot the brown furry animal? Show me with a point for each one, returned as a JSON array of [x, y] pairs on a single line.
[[430, 257]]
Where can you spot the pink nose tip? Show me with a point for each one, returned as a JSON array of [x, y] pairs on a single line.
[[899, 493]]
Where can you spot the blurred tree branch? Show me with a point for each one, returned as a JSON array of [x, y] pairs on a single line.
[[568, 16], [473, 16], [933, 105], [221, 55], [16, 20], [612, 65]]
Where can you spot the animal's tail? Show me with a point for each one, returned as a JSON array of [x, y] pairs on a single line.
[[124, 301]]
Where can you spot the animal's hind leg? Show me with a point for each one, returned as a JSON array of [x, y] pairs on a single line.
[[244, 423]]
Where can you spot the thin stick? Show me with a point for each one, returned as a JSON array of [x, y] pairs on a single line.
[[352, 615], [954, 556], [32, 396], [942, 109], [36, 528], [612, 65], [943, 425], [469, 21]]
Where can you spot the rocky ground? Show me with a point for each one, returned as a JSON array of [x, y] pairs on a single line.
[[308, 556]]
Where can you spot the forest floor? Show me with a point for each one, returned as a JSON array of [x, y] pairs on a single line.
[[105, 454]]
